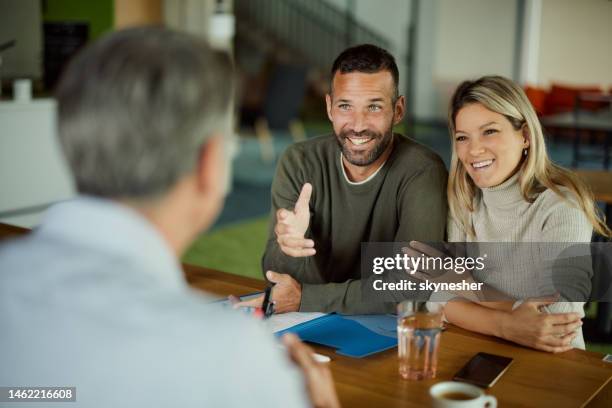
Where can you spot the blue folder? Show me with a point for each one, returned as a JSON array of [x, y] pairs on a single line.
[[353, 336]]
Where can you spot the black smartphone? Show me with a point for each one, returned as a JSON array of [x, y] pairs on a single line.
[[483, 369]]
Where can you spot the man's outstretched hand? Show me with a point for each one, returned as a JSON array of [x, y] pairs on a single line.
[[291, 226]]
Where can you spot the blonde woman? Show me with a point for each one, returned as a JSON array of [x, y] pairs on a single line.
[[503, 188]]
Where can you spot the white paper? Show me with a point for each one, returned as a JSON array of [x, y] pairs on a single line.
[[282, 321]]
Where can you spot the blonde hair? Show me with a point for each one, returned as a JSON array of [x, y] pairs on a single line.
[[537, 172]]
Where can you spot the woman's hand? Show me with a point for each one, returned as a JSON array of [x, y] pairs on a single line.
[[487, 295], [425, 272], [426, 253], [528, 326]]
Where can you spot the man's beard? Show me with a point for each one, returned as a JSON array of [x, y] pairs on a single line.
[[364, 158]]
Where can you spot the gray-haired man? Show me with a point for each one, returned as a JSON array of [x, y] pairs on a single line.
[[95, 297]]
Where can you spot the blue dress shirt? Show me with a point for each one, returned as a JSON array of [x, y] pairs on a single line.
[[95, 298]]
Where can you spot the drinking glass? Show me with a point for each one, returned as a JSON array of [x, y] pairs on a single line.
[[419, 324]]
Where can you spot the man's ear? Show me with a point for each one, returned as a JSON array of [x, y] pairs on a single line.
[[211, 169], [328, 103], [399, 109]]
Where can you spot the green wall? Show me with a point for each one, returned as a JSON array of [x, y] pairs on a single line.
[[98, 13]]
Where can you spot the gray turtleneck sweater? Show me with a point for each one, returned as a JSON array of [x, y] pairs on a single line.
[[501, 214]]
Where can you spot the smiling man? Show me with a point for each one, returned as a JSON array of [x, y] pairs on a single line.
[[364, 183]]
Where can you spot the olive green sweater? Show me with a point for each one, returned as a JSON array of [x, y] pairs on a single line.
[[405, 200]]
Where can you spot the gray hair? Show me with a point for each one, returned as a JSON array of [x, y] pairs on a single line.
[[136, 107]]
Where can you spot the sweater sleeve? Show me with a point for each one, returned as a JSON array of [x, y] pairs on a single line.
[[566, 234], [565, 222], [564, 226], [286, 186]]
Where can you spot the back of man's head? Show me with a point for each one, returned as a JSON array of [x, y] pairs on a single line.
[[136, 107], [368, 59]]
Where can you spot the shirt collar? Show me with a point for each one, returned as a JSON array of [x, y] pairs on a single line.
[[115, 229], [357, 183], [371, 176]]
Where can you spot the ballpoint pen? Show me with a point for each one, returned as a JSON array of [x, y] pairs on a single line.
[[268, 305]]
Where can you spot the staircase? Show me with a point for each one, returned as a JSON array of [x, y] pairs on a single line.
[[309, 31]]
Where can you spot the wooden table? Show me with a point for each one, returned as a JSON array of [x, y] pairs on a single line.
[[536, 378], [572, 379]]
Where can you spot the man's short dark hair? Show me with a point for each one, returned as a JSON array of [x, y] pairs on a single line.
[[369, 59], [136, 107]]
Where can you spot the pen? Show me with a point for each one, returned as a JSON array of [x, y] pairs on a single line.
[[267, 306]]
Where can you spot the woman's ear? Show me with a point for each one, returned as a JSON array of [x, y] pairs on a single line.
[[526, 136]]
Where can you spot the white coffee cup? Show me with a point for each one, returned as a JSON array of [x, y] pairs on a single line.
[[472, 397], [22, 90]]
